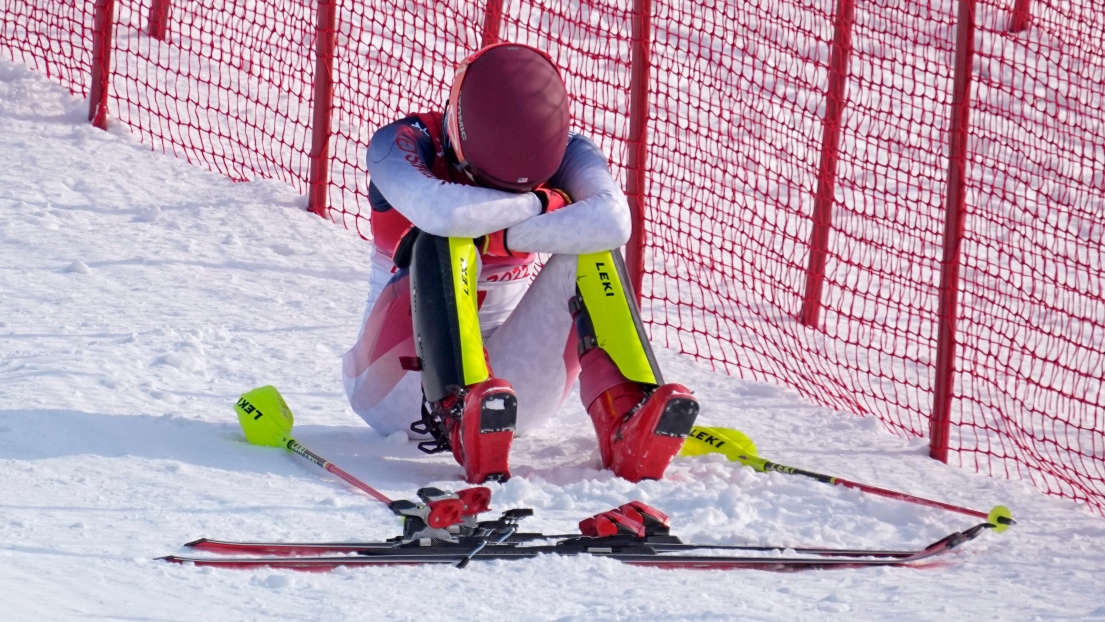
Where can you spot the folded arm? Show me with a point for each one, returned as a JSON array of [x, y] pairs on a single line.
[[597, 220], [400, 156]]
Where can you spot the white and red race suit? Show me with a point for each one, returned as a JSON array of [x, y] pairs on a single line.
[[525, 321]]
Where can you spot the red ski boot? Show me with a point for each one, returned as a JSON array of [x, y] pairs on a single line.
[[480, 432], [639, 431]]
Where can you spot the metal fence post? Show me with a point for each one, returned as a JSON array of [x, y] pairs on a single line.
[[959, 129], [830, 150], [325, 38], [103, 36]]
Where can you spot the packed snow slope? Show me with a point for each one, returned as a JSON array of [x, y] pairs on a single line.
[[139, 296]]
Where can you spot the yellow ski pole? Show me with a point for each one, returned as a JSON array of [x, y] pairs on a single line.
[[738, 447], [267, 421]]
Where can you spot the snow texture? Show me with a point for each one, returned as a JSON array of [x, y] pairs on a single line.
[[140, 296]]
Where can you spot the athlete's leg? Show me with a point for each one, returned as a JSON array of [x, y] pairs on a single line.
[[469, 411], [641, 422], [535, 348], [379, 389]]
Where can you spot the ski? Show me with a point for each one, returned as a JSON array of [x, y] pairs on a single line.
[[612, 547], [658, 543]]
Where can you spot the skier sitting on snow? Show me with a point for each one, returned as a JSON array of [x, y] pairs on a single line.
[[493, 180]]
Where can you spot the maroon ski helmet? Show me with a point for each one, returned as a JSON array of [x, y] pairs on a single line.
[[507, 119]]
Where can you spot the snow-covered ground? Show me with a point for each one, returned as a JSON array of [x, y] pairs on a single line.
[[140, 296]]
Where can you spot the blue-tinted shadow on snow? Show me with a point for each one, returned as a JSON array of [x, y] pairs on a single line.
[[397, 469], [43, 434]]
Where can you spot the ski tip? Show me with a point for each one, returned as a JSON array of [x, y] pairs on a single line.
[[172, 559], [1000, 518], [196, 543]]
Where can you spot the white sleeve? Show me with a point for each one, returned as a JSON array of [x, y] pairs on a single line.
[[597, 220], [401, 172]]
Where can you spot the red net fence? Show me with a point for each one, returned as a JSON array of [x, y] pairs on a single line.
[[1030, 396], [895, 208]]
